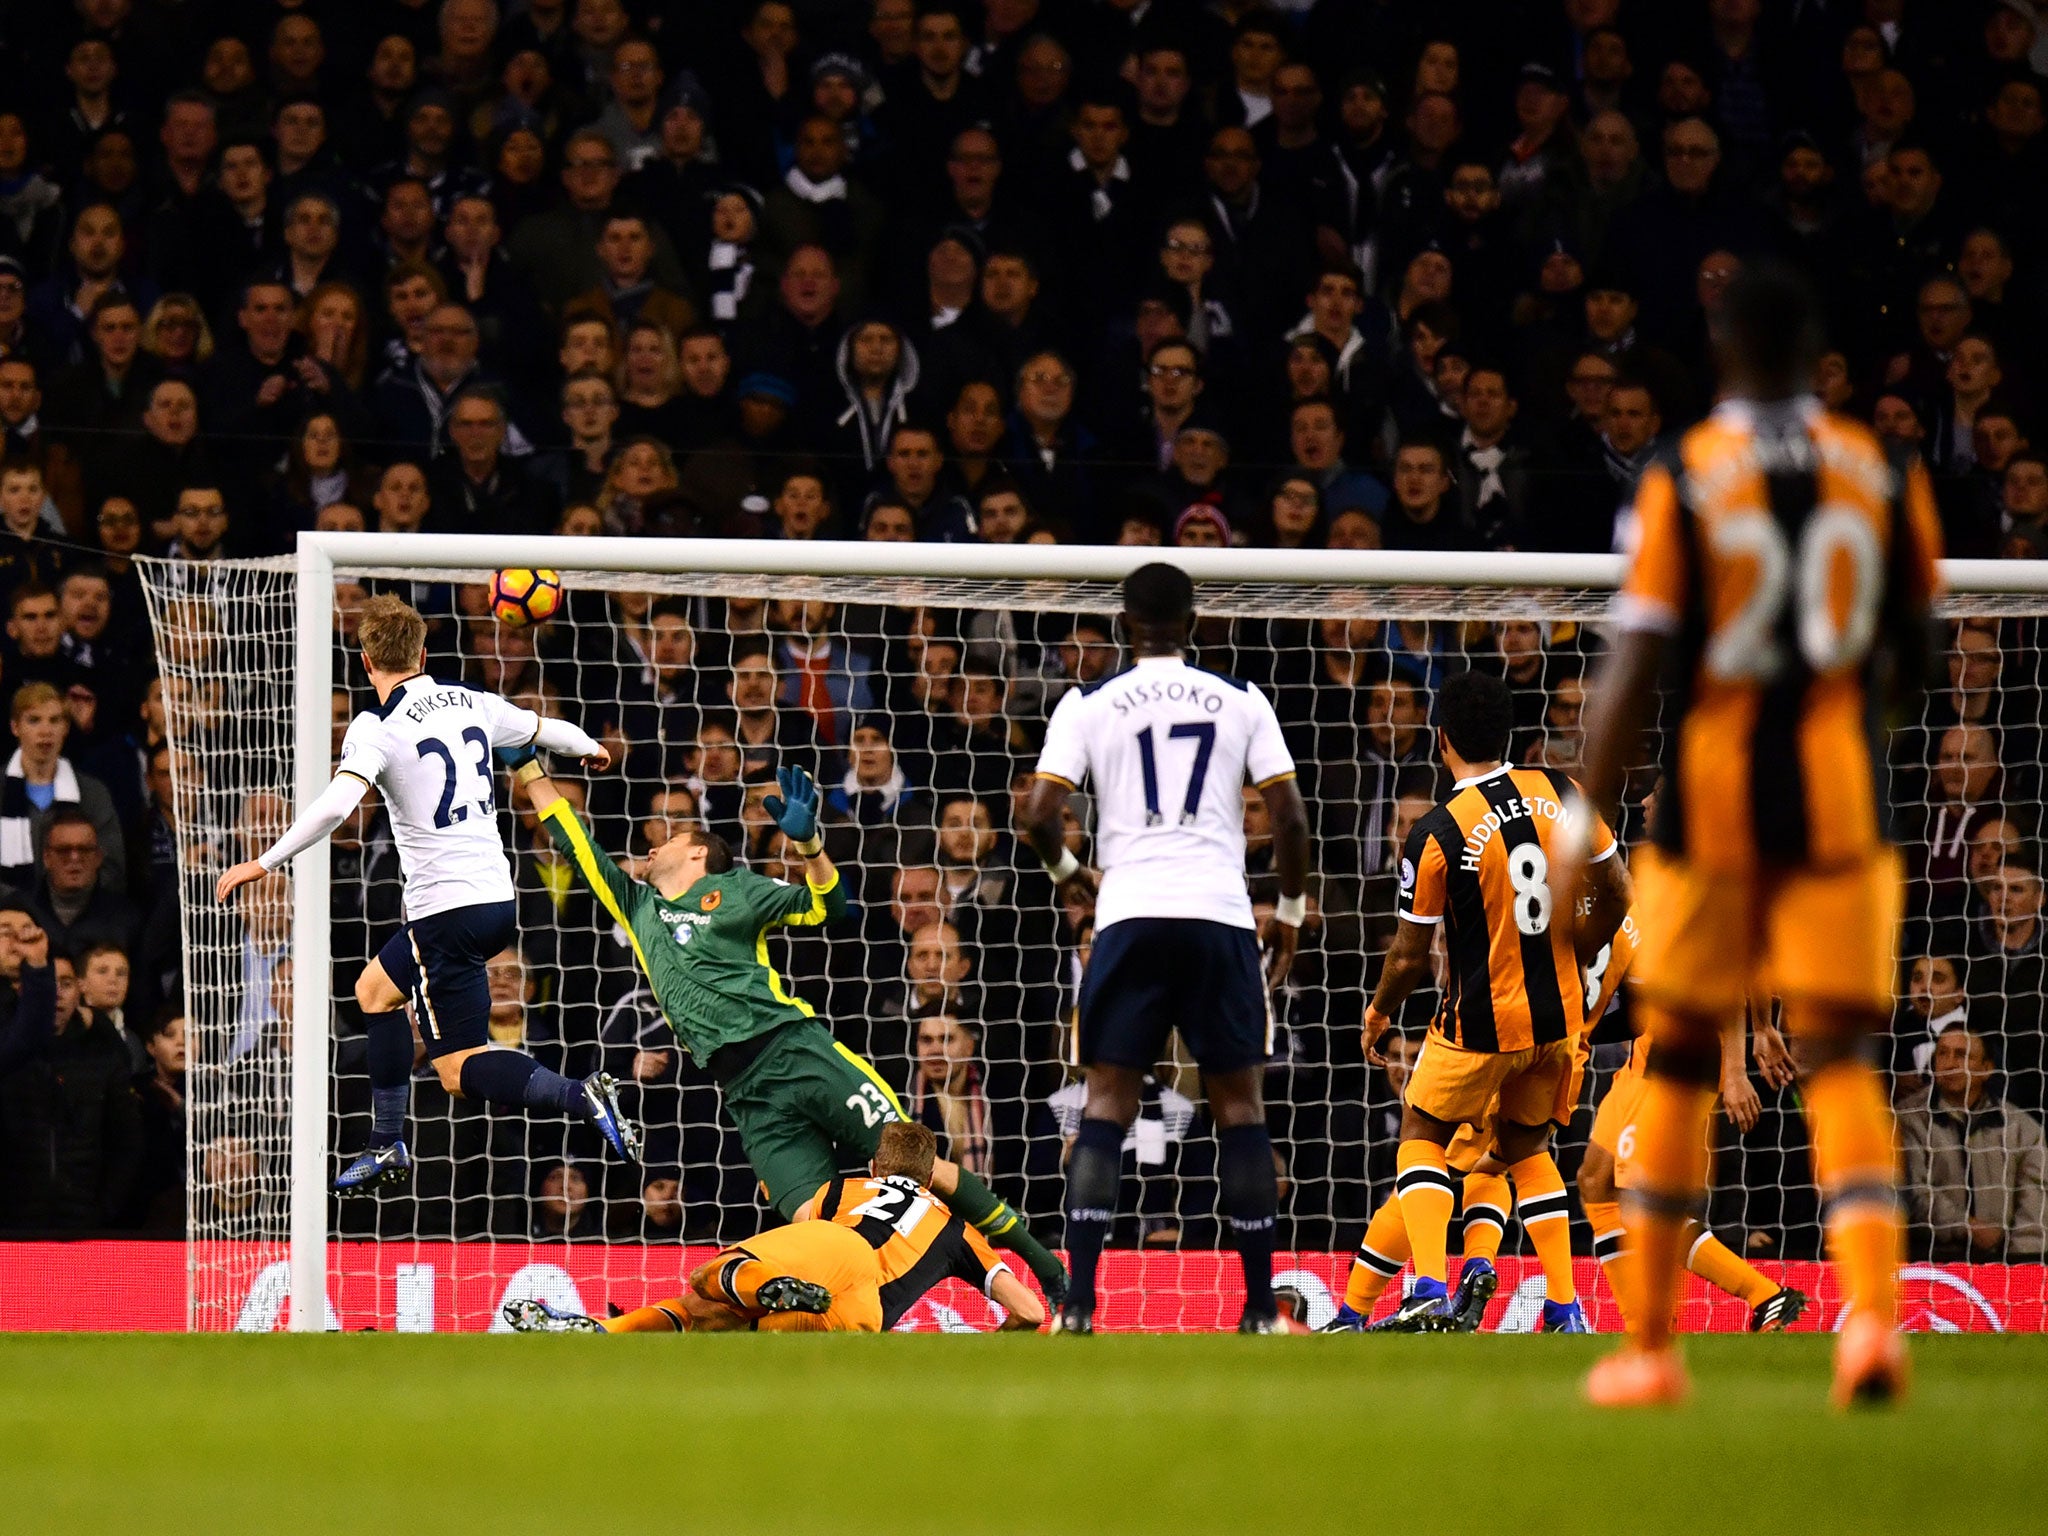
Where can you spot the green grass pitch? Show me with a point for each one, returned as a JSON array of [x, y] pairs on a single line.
[[751, 1435]]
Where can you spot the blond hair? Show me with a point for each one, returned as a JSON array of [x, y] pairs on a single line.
[[391, 633], [906, 1150], [32, 696]]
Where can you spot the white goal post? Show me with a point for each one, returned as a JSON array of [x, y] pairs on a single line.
[[1334, 584]]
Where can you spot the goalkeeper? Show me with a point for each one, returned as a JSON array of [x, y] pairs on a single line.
[[806, 1106]]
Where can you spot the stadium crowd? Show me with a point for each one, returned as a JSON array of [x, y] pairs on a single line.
[[1352, 274]]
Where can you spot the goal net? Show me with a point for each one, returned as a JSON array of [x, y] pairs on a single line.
[[916, 686]]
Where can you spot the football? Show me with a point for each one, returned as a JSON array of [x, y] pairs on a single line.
[[520, 598]]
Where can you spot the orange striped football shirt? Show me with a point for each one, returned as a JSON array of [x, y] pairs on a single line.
[[1479, 864], [1785, 553], [918, 1239]]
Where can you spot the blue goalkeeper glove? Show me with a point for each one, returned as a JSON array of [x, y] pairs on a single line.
[[795, 810]]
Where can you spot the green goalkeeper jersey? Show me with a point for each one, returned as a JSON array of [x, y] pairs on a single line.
[[706, 951]]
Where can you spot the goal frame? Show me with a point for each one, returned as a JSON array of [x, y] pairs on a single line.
[[321, 556]]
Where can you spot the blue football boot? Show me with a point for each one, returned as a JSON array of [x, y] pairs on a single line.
[[601, 1103], [375, 1167], [1424, 1311], [1477, 1281], [1346, 1321], [1564, 1317]]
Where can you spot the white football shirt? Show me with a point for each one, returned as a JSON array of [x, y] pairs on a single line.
[[427, 749], [1170, 748]]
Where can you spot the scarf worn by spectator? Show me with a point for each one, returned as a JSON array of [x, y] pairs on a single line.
[[872, 804], [828, 199], [1488, 462], [1623, 469], [17, 811], [961, 1119], [732, 274]]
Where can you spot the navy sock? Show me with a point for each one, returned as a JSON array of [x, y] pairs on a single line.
[[1251, 1200], [390, 1063], [511, 1077], [1094, 1169]]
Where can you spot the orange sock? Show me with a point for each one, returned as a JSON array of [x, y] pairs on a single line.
[[1487, 1201], [1424, 1187], [1380, 1257], [1719, 1265], [1855, 1162], [1546, 1212], [738, 1279], [1670, 1177], [662, 1317], [1610, 1247]]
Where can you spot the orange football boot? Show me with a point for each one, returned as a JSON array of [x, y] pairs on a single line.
[[1870, 1363], [1638, 1378]]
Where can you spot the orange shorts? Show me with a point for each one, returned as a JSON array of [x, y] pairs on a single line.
[[830, 1255], [1614, 1123], [1709, 940], [1474, 1141], [1470, 1087]]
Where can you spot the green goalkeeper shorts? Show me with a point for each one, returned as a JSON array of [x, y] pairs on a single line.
[[807, 1109]]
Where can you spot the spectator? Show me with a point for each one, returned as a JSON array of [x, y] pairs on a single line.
[[158, 1205], [628, 292], [1976, 1165], [946, 1091], [563, 1207], [875, 790], [480, 488], [1420, 516], [877, 372], [70, 1122], [1936, 1000], [73, 904], [38, 779], [1152, 1153], [818, 204]]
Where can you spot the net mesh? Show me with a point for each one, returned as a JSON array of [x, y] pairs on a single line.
[[919, 703], [224, 651]]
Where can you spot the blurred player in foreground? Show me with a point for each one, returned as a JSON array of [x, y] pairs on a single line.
[[1170, 747], [859, 1255], [1504, 1042], [427, 748], [805, 1105], [1783, 570]]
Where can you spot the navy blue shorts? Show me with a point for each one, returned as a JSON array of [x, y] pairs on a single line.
[[438, 963], [1149, 975]]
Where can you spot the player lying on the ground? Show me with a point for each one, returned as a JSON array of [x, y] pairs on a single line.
[[1608, 1167], [1478, 868], [807, 1277], [1486, 1194], [805, 1105], [427, 748]]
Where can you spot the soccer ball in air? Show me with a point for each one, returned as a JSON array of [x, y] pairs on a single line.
[[520, 598]]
